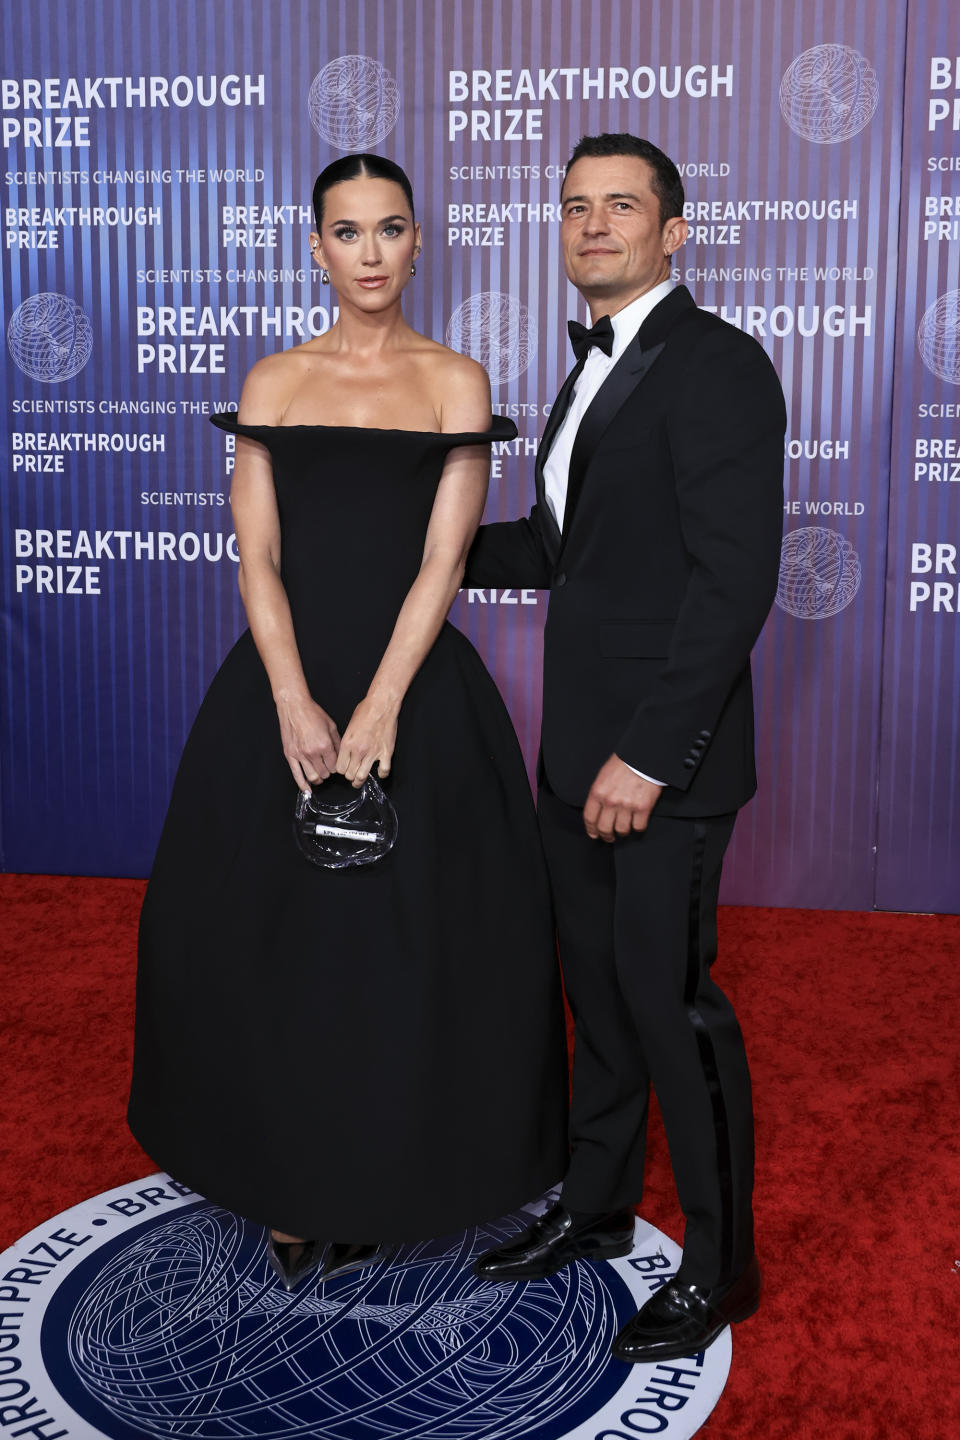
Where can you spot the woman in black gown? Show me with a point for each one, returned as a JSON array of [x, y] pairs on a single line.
[[374, 1054]]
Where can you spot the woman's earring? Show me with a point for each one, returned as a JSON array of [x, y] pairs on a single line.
[[413, 269], [324, 278]]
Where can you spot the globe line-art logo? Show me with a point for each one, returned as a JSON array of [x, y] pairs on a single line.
[[354, 102], [830, 93], [496, 330], [155, 1313], [938, 337], [819, 573], [50, 337]]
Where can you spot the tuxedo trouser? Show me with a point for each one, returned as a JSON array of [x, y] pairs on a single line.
[[637, 931]]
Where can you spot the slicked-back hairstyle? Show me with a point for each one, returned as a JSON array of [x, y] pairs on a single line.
[[352, 167], [665, 181]]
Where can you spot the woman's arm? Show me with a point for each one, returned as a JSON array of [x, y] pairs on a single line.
[[309, 736], [371, 735]]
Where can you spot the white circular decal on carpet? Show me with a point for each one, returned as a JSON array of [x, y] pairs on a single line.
[[148, 1311]]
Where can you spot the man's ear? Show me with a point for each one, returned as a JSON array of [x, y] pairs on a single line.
[[675, 233]]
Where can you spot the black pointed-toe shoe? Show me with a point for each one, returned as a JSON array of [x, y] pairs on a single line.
[[683, 1319], [342, 1258], [555, 1239], [294, 1260]]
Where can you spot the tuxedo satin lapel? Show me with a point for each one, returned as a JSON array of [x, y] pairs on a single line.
[[556, 415], [543, 449], [626, 375]]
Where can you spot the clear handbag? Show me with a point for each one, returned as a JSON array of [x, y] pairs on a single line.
[[337, 834]]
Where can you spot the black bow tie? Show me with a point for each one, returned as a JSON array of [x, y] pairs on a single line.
[[581, 338]]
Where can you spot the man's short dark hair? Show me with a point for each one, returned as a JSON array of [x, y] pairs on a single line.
[[665, 181]]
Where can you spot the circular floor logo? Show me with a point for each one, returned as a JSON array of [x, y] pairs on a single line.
[[938, 337], [354, 102], [829, 93], [819, 573], [50, 337], [147, 1311], [498, 331]]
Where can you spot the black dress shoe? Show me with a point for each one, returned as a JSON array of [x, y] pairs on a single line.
[[683, 1319], [554, 1240], [341, 1258], [294, 1260]]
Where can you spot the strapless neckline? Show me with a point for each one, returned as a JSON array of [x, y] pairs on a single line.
[[500, 428]]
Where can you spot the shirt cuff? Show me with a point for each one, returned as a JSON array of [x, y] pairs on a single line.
[[661, 783]]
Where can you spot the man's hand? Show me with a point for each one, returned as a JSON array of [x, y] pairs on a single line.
[[619, 801]]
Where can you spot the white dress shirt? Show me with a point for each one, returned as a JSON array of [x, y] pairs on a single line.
[[597, 367]]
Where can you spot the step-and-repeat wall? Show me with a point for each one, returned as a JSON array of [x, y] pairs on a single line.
[[158, 167]]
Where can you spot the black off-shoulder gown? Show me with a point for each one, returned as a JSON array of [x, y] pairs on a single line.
[[368, 1054]]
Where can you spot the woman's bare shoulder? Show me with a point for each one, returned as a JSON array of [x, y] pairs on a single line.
[[454, 378], [463, 392], [433, 351], [269, 384]]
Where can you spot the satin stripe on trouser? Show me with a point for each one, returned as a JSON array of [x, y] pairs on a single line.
[[637, 932]]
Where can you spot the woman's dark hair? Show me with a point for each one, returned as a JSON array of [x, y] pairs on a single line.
[[352, 167], [665, 181]]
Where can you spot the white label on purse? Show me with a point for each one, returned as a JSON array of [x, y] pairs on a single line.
[[343, 832]]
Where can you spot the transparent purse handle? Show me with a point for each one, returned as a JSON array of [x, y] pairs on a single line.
[[337, 836]]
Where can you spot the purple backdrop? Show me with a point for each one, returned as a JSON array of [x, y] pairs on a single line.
[[918, 844], [157, 180]]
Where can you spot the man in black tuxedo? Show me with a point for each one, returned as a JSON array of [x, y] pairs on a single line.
[[657, 531]]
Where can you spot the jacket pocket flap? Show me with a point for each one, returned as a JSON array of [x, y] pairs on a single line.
[[640, 638]]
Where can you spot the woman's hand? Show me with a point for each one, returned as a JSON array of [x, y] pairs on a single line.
[[311, 740], [369, 739]]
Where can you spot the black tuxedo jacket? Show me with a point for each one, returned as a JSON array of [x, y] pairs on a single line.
[[666, 567]]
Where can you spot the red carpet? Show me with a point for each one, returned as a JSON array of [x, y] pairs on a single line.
[[851, 1025]]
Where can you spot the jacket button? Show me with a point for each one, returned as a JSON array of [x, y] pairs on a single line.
[[689, 762], [559, 579], [704, 734]]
